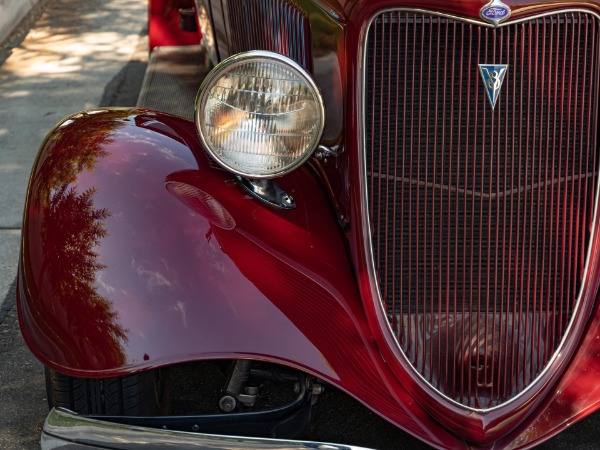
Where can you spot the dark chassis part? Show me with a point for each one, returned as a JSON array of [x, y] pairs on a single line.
[[262, 400]]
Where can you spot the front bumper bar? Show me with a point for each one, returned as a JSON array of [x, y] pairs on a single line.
[[66, 430]]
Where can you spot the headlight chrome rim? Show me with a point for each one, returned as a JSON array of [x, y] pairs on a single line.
[[259, 56]]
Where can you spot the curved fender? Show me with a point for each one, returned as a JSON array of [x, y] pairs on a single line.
[[138, 252]]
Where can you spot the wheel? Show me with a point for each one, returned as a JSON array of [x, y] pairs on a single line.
[[141, 394]]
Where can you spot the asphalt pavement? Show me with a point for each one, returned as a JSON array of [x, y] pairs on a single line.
[[70, 55]]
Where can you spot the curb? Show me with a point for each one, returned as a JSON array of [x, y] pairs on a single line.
[[11, 13]]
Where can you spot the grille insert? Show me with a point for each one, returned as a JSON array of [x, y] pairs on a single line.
[[275, 25], [480, 218]]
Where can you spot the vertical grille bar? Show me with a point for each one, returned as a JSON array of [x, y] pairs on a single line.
[[275, 25], [480, 218]]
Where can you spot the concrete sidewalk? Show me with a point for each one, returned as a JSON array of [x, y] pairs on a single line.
[[71, 54], [73, 58]]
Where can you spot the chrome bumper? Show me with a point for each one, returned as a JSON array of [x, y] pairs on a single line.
[[66, 430]]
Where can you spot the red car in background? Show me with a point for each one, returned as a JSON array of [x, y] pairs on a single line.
[[395, 199]]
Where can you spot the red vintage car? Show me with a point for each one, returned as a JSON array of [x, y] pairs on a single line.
[[396, 199]]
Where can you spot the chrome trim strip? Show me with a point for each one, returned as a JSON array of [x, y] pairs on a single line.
[[65, 429], [364, 203], [479, 22]]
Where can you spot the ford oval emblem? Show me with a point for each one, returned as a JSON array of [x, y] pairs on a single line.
[[495, 12]]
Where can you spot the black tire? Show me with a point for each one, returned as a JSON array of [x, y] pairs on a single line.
[[141, 394]]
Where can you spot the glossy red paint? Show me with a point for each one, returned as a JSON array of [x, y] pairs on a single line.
[[147, 270], [163, 24], [158, 280], [164, 280], [118, 274], [502, 424]]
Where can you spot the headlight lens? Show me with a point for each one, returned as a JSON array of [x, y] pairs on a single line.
[[259, 114]]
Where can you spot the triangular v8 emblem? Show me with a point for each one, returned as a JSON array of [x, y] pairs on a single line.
[[493, 76]]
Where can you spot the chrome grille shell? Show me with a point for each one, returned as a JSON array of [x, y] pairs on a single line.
[[428, 331]]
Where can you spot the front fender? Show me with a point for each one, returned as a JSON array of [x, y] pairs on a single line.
[[137, 253]]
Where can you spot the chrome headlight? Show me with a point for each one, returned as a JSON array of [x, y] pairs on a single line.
[[259, 114]]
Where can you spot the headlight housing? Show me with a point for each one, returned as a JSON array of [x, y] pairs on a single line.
[[259, 114]]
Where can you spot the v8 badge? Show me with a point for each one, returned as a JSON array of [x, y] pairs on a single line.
[[493, 77]]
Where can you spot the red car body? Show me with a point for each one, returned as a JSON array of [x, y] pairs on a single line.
[[120, 272]]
